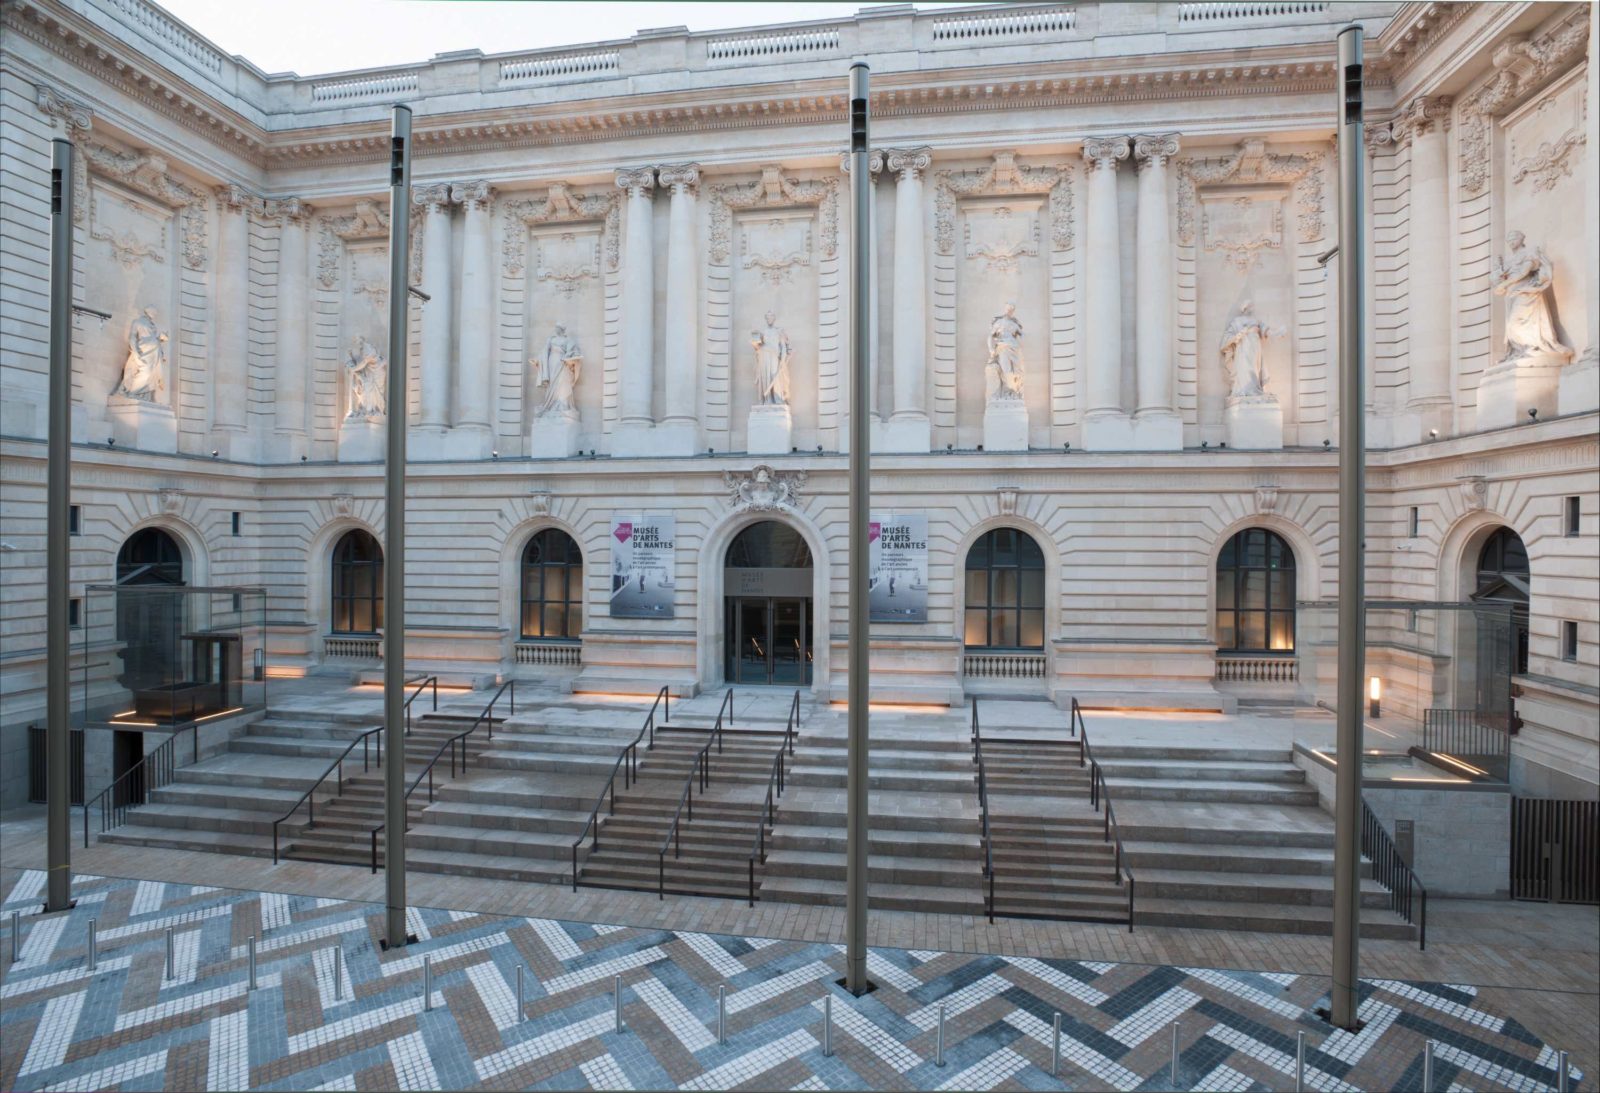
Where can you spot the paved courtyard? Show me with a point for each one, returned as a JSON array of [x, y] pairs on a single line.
[[332, 1010]]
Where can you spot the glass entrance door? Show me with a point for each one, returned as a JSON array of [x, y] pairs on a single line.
[[769, 640]]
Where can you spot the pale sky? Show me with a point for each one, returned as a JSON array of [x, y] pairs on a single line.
[[316, 36]]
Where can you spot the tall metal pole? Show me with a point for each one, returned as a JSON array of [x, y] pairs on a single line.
[[1352, 546], [394, 532], [860, 509], [58, 557]]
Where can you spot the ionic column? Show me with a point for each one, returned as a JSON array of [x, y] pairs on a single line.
[[1428, 266], [637, 395], [1579, 386], [1378, 137], [231, 353], [681, 400], [435, 372], [474, 371], [1103, 291], [910, 300], [293, 361], [1153, 349], [875, 165]]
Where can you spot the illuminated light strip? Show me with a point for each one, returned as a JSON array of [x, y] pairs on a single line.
[[220, 713], [150, 724], [1458, 763]]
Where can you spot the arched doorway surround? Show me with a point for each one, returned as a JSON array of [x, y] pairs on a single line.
[[768, 611]]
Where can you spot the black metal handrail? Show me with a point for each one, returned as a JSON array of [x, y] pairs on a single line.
[[421, 682], [630, 774], [1392, 871], [774, 791], [699, 768], [459, 740], [983, 807], [133, 786], [338, 764], [1099, 792]]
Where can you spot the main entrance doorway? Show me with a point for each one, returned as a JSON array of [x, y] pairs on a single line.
[[767, 627]]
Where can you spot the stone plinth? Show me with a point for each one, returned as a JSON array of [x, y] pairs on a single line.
[[1158, 431], [1580, 386], [142, 426], [1108, 431], [680, 437], [1005, 426], [363, 440], [553, 436], [767, 431], [1254, 423], [1508, 391], [911, 433]]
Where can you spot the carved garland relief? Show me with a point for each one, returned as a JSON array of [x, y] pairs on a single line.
[[561, 205], [1252, 163], [773, 190], [1003, 176]]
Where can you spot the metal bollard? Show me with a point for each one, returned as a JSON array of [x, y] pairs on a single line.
[[1299, 1062], [1174, 1055], [522, 1014], [93, 954], [1427, 1067], [170, 960], [427, 984], [338, 973], [1055, 1045], [1563, 1079], [722, 1013], [16, 934], [616, 999], [827, 1024], [250, 944], [938, 1042]]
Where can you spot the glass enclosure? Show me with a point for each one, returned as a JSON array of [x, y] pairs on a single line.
[[164, 655]]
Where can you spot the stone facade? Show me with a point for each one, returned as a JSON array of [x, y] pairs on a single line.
[[1128, 176]]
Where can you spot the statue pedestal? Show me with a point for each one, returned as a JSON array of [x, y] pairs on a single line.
[[910, 432], [1509, 390], [1254, 423], [1158, 431], [142, 426], [363, 440], [553, 436], [1580, 385], [1005, 425], [1108, 431], [767, 431]]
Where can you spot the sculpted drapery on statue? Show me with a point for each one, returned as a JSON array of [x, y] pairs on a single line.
[[1243, 356], [559, 368], [144, 373], [369, 378], [772, 363], [1523, 276], [1003, 371]]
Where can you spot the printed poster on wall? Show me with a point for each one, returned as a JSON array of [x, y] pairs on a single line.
[[897, 567], [642, 566]]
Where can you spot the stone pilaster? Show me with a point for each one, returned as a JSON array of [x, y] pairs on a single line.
[[637, 395], [1379, 140], [680, 423], [435, 372], [908, 427], [292, 371], [1156, 422], [875, 168], [1579, 389], [477, 321], [230, 391], [1105, 420], [1429, 266]]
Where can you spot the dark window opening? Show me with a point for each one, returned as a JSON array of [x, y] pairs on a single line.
[[1256, 593], [1005, 592]]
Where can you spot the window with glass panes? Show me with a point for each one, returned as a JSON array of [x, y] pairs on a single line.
[[1005, 592], [1255, 593], [552, 587], [357, 584]]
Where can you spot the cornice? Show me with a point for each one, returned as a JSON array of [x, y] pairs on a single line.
[[1412, 32]]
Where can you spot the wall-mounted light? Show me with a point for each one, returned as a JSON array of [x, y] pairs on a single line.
[[1433, 434], [1533, 414], [1374, 693], [111, 442], [1327, 444], [260, 664], [494, 453], [215, 454]]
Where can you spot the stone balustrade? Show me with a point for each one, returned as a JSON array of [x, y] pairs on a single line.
[[550, 654], [1003, 665], [1233, 669]]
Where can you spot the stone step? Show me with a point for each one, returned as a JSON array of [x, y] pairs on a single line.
[[960, 816], [1247, 888], [881, 868], [927, 844], [325, 749], [1261, 793], [1195, 770], [508, 818], [557, 745], [312, 730], [191, 817], [209, 840], [491, 866], [961, 781], [1210, 857], [1239, 834], [1087, 902], [497, 793], [500, 758], [1261, 916], [245, 799], [933, 899], [1107, 751], [472, 841], [263, 772], [1059, 874]]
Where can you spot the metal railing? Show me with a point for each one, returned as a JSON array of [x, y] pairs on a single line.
[[628, 763], [308, 797], [1394, 873], [133, 787], [983, 808], [458, 741], [699, 769], [1098, 792], [1555, 850], [1464, 733], [421, 682], [774, 790]]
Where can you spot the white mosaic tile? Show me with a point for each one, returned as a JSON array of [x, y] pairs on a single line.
[[1081, 1055], [755, 1063], [413, 1068], [499, 998], [1412, 993], [1061, 981], [691, 1032], [1224, 1079], [228, 1056], [556, 939], [54, 1033], [1498, 1076], [1282, 1062], [122, 1072], [148, 898], [988, 1072], [757, 993], [604, 970], [721, 961], [1254, 995], [526, 1051], [871, 1036], [1153, 1017], [274, 911], [188, 1003]]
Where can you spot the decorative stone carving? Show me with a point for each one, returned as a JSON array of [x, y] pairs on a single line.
[[539, 499], [170, 499], [1154, 149], [773, 190], [684, 176], [1243, 356], [1003, 371], [1007, 502], [561, 205], [1551, 161], [566, 261], [1003, 176], [1103, 153], [772, 355], [874, 161], [1474, 491], [1523, 276], [1252, 163], [475, 196], [144, 373], [1378, 137], [999, 237], [559, 366], [343, 504], [636, 180], [909, 162], [1242, 227], [1266, 498], [1421, 115], [368, 372], [146, 172], [432, 198], [126, 247], [764, 489], [74, 117]]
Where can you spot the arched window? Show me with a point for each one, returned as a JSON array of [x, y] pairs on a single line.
[[150, 556], [357, 584], [1005, 592], [1255, 593], [768, 545], [552, 586], [1503, 578]]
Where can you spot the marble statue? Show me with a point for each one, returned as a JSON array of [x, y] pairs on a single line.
[[559, 368], [772, 363], [1523, 276], [144, 373], [369, 381], [1004, 368], [1243, 354]]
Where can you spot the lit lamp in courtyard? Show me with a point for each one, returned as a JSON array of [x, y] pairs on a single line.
[[1374, 693]]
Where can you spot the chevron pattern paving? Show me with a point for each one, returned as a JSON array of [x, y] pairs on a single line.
[[332, 1010]]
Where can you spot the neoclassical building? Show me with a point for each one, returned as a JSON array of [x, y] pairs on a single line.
[[1104, 410]]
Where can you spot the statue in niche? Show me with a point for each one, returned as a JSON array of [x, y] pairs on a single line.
[[1004, 368], [144, 373], [1523, 276], [559, 368], [1243, 354], [369, 381], [772, 363]]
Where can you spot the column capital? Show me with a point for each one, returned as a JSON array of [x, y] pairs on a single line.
[[432, 197], [1421, 115], [1102, 153], [475, 196], [1154, 149], [908, 163], [682, 177], [637, 180], [287, 210], [874, 161], [1378, 137], [234, 198]]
